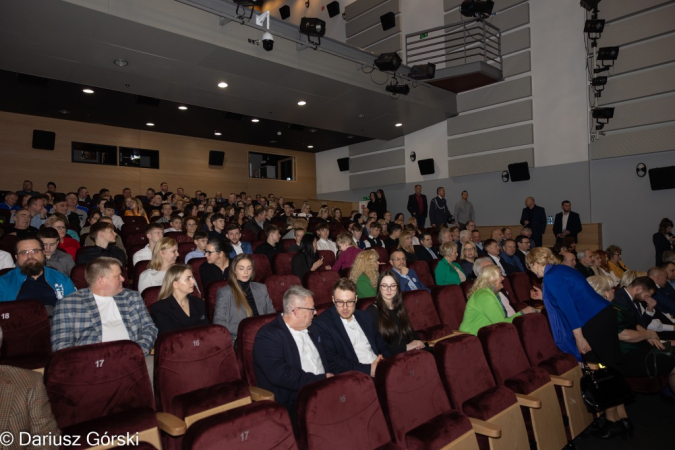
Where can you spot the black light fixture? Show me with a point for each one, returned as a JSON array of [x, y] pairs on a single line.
[[311, 26], [594, 28], [423, 71], [247, 3], [598, 84], [388, 62], [388, 21], [398, 89], [606, 54], [285, 12], [333, 8], [602, 116], [589, 5], [480, 9]]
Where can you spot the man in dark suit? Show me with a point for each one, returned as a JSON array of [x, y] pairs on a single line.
[[534, 217], [424, 251], [286, 355], [509, 260], [584, 263], [631, 297], [523, 246], [349, 336], [665, 294], [418, 206], [567, 223], [258, 222]]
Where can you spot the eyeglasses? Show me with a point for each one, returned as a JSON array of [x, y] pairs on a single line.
[[313, 310], [209, 252], [29, 252], [341, 304], [391, 287], [60, 228], [398, 259]]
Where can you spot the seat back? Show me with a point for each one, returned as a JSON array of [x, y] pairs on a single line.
[[93, 381], [8, 242], [248, 235], [261, 425], [184, 248], [134, 220], [174, 235], [248, 328], [262, 268], [287, 243], [341, 412], [139, 268], [410, 392], [211, 294], [183, 239], [25, 327], [382, 254], [466, 287], [450, 305], [503, 351], [328, 258], [420, 308], [77, 276], [520, 285], [277, 285], [283, 263], [195, 264], [432, 267], [133, 227], [321, 282], [190, 359], [364, 303], [537, 341], [151, 296], [422, 269]]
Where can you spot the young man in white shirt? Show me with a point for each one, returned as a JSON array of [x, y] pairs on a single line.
[[109, 211], [154, 232], [176, 225], [324, 243], [201, 240]]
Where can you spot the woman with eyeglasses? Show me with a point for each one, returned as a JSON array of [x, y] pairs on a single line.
[[217, 265], [135, 208], [468, 257], [177, 308], [164, 255], [190, 227], [66, 243], [242, 297], [391, 318], [614, 263]]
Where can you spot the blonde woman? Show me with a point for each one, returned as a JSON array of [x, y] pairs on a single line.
[[164, 255], [484, 306], [467, 258], [405, 244], [323, 215], [242, 297], [628, 277], [177, 308], [448, 271], [365, 273], [295, 224], [135, 208]]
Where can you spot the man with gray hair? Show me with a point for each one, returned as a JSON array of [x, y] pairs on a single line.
[[585, 263], [481, 262], [286, 355]]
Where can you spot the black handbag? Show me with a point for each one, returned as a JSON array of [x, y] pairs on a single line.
[[603, 388]]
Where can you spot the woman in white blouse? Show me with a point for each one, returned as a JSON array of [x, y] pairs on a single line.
[[164, 255]]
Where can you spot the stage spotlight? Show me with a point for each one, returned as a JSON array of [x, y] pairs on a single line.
[[423, 71], [602, 116], [312, 26], [606, 54], [477, 8], [598, 84], [244, 3], [398, 89], [388, 62], [589, 5], [593, 26]]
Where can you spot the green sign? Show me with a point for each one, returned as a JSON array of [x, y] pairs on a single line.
[[424, 35], [365, 199]]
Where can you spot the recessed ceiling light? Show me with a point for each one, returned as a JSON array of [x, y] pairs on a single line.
[[121, 62], [255, 120], [302, 103], [88, 91], [222, 85], [312, 130], [150, 124], [310, 146], [361, 116], [64, 111], [218, 133], [182, 108], [399, 124], [273, 142]]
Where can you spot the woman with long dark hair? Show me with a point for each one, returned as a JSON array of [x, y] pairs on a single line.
[[391, 318], [380, 203], [663, 239], [372, 202], [307, 258]]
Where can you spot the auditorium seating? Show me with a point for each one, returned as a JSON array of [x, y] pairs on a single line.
[[248, 235], [25, 327], [248, 328], [262, 268], [151, 296], [423, 317], [134, 220], [321, 283], [287, 243], [283, 263], [422, 270], [77, 276], [183, 249], [277, 285], [450, 305], [139, 268], [364, 303], [328, 258], [382, 254], [210, 296], [195, 264]]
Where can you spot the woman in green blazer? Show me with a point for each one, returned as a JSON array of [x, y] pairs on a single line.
[[364, 273], [448, 271]]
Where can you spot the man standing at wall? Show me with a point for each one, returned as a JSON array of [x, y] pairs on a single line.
[[439, 213], [418, 207], [534, 217], [464, 211], [567, 223]]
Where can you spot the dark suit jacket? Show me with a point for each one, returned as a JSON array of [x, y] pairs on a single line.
[[521, 257], [423, 254], [621, 297], [661, 244], [585, 271], [253, 226], [339, 350], [665, 298], [413, 207], [510, 263], [414, 277], [277, 362], [537, 218], [573, 225], [168, 315]]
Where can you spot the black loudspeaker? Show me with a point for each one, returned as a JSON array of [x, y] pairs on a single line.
[[216, 158], [662, 178], [285, 12], [388, 21], [43, 140], [519, 171], [343, 164], [333, 9], [426, 166]]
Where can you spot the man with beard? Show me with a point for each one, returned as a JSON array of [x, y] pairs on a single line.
[[637, 298], [32, 279]]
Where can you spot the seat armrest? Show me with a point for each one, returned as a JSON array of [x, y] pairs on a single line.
[[40, 370], [258, 394], [171, 424], [486, 428], [561, 381], [454, 333], [528, 401]]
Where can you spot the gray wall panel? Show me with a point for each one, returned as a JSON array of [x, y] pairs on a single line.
[[391, 44], [499, 5], [375, 146], [489, 118], [517, 64], [505, 21], [491, 140], [378, 161], [645, 112], [373, 35], [494, 94], [645, 54], [651, 23], [450, 4], [495, 162], [359, 7], [516, 41], [371, 17], [377, 179], [612, 10], [652, 140], [639, 84]]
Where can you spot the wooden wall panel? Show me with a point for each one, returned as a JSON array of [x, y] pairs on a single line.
[[183, 161]]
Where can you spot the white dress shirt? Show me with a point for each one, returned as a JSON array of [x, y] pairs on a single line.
[[364, 352], [565, 216], [507, 306], [237, 248], [112, 325], [144, 254], [323, 244], [309, 355], [497, 261]]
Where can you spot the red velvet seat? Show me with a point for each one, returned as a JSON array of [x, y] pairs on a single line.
[[255, 245], [248, 236], [328, 258], [174, 235], [138, 270], [248, 328], [77, 276], [382, 254], [183, 249], [417, 409], [135, 239], [534, 279], [195, 264], [183, 239], [342, 412], [364, 303], [102, 388], [422, 269], [262, 236], [466, 287], [8, 242], [521, 286], [151, 296], [210, 296], [195, 371], [25, 327], [277, 285], [384, 267], [131, 251], [259, 426], [134, 220], [321, 282], [423, 317], [283, 263], [132, 228], [432, 267], [261, 264], [450, 305], [508, 290], [287, 243]]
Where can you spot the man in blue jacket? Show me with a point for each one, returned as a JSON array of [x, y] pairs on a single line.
[[407, 278], [238, 246], [349, 336], [31, 279]]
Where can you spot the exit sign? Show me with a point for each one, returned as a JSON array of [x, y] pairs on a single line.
[[424, 35], [365, 199]]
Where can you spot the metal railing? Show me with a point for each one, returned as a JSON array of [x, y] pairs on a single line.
[[454, 44]]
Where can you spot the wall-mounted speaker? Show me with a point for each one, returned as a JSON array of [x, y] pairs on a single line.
[[343, 164], [426, 166], [388, 21], [333, 8], [216, 158], [285, 12], [43, 140], [662, 178], [519, 171]]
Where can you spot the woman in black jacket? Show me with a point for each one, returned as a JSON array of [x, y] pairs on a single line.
[[380, 203], [372, 203], [663, 239], [306, 259], [177, 308]]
